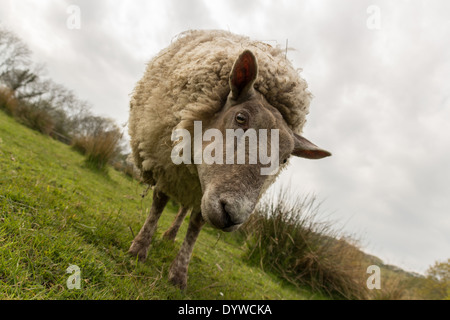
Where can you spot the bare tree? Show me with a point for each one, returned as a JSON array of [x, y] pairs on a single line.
[[17, 71], [14, 53]]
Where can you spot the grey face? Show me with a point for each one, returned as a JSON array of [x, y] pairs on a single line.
[[231, 190]]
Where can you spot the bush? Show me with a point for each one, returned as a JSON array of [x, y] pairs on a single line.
[[98, 138], [34, 118], [8, 102], [99, 149], [284, 237], [26, 113], [436, 286]]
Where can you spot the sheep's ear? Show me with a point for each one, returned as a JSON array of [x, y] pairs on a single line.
[[306, 149], [243, 75]]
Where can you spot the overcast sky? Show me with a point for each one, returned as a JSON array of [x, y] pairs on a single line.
[[379, 71]]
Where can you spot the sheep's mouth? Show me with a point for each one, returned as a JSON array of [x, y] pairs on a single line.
[[225, 210], [219, 215], [222, 219]]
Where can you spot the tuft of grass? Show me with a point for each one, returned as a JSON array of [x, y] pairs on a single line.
[[100, 148], [285, 237], [392, 288]]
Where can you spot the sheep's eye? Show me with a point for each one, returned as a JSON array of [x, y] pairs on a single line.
[[241, 118], [284, 161]]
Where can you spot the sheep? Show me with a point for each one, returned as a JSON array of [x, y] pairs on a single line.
[[224, 81]]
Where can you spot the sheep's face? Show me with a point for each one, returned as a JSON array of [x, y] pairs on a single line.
[[237, 174]]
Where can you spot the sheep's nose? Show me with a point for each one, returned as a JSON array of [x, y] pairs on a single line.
[[227, 216]]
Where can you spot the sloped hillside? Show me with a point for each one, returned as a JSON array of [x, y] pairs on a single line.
[[55, 212]]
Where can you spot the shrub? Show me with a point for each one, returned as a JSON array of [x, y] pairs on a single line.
[[34, 118], [8, 102], [436, 285], [25, 113], [100, 148], [285, 237]]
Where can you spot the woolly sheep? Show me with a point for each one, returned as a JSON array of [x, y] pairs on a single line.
[[226, 81]]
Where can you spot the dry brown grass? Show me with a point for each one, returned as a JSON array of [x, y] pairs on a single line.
[[7, 100], [392, 288], [100, 148], [286, 238]]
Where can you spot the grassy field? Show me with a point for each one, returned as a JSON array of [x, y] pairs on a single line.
[[55, 212]]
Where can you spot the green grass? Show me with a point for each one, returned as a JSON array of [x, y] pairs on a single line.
[[55, 211]]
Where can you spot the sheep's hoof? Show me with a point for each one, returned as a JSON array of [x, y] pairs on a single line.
[[137, 250], [180, 282], [178, 279], [170, 235]]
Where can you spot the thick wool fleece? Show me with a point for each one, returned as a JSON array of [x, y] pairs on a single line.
[[188, 81]]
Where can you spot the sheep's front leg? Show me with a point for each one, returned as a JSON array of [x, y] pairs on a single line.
[[141, 242], [178, 269], [171, 233]]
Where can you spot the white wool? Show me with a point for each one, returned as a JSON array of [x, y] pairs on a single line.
[[188, 81]]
